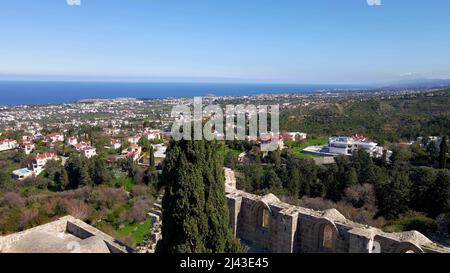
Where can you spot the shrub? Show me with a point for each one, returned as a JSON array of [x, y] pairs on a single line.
[[412, 221], [78, 209], [12, 200]]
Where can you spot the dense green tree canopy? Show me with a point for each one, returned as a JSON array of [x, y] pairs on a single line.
[[195, 214]]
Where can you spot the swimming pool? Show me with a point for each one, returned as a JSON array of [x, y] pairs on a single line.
[[24, 171]]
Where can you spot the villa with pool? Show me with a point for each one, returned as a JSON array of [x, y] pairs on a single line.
[[22, 174], [35, 168]]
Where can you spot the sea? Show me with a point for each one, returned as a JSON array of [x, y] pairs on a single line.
[[46, 92]]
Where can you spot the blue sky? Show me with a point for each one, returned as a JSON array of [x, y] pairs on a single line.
[[293, 41]]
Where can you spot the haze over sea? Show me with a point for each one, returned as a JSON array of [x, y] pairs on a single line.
[[45, 92]]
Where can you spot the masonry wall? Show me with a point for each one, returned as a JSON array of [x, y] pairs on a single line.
[[57, 226], [293, 229], [70, 225]]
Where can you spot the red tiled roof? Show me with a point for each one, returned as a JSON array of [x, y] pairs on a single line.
[[55, 134], [45, 155], [7, 140], [356, 137]]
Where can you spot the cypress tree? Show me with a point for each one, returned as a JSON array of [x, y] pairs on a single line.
[[152, 157], [443, 153], [195, 214]]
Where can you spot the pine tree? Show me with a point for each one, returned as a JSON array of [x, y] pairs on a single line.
[[144, 143], [100, 172], [443, 153], [195, 214], [272, 182], [394, 194], [85, 175], [440, 194], [61, 179]]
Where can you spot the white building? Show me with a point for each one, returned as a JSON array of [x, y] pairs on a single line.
[[36, 167], [88, 152], [115, 144], [22, 174], [159, 151], [55, 137], [134, 139], [72, 141], [40, 161], [27, 147], [295, 136], [7, 144], [134, 152], [81, 145], [111, 131], [152, 134], [347, 146]]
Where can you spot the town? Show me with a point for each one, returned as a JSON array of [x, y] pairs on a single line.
[[117, 148]]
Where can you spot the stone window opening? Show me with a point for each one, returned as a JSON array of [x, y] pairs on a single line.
[[265, 218], [327, 237]]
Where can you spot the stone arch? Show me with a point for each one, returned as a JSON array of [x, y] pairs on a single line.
[[263, 211], [325, 235], [396, 245], [263, 214], [408, 247]]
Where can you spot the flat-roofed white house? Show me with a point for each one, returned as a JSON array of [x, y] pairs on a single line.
[[159, 151], [152, 134], [348, 145], [342, 145], [7, 144]]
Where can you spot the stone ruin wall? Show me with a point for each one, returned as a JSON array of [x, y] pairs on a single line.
[[53, 227], [266, 224], [68, 224]]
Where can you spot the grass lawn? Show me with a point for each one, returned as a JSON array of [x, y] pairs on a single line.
[[224, 150], [297, 147], [126, 182], [138, 230]]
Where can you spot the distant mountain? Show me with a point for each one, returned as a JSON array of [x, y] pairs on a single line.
[[418, 83]]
